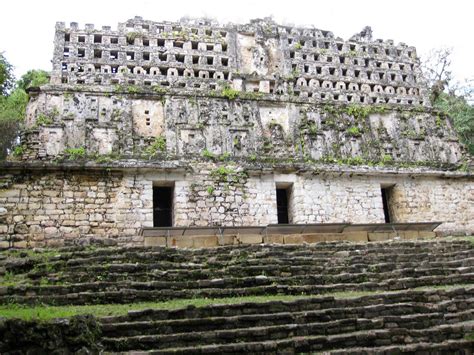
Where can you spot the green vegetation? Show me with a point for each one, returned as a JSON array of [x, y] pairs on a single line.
[[353, 131], [207, 154], [13, 101], [159, 89], [131, 36], [225, 156], [106, 158], [33, 78], [19, 150], [230, 93], [43, 312], [75, 153], [43, 120], [158, 146], [462, 114], [210, 190], [221, 173], [386, 159]]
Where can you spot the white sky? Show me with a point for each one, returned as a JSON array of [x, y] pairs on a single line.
[[27, 27]]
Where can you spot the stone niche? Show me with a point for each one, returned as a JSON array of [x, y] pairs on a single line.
[[148, 118], [192, 141], [52, 139], [275, 115], [103, 140]]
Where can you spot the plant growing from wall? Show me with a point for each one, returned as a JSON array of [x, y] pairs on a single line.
[[353, 131], [19, 150], [225, 156], [75, 153], [210, 190], [158, 146], [229, 93], [131, 36], [207, 154], [43, 120]]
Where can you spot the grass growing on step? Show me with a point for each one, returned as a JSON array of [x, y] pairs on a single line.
[[44, 312]]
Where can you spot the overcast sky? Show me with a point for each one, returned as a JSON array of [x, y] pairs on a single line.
[[27, 27]]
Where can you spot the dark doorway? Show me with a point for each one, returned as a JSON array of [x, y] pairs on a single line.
[[282, 206], [162, 206], [386, 191]]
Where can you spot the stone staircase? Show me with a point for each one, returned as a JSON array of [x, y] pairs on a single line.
[[397, 317], [401, 320], [126, 275]]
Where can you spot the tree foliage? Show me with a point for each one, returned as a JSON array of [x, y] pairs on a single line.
[[13, 101], [33, 78], [7, 79], [453, 98]]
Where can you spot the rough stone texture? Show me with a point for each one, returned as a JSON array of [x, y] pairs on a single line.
[[72, 207], [169, 79], [226, 114]]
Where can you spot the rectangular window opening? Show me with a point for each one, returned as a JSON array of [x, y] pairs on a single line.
[[163, 206]]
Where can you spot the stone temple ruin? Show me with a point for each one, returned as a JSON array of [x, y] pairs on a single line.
[[194, 124]]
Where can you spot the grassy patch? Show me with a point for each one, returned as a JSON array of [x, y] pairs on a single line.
[[44, 312]]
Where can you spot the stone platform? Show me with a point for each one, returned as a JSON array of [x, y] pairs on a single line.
[[205, 237]]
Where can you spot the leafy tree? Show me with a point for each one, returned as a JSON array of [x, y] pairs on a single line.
[[33, 78], [6, 75], [13, 101], [453, 98], [462, 114]]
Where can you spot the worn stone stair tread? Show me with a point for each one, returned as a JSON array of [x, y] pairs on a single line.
[[451, 345], [319, 343], [376, 277], [302, 326], [127, 295], [463, 266]]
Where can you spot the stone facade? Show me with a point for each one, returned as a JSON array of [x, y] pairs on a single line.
[[75, 207], [226, 115]]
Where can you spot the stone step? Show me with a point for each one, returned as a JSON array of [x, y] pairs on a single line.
[[46, 268], [244, 282], [144, 254], [110, 292], [373, 338], [150, 272], [282, 331], [191, 324], [448, 347], [319, 303]]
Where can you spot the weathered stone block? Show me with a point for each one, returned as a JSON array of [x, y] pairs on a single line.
[[205, 241], [249, 239], [408, 234], [293, 239], [180, 242], [227, 239], [426, 234], [379, 237], [273, 239], [155, 241], [356, 236]]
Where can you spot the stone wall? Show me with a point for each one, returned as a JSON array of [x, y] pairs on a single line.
[[225, 115], [426, 199], [74, 207]]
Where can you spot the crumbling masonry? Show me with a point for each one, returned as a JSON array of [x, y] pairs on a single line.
[[215, 119]]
